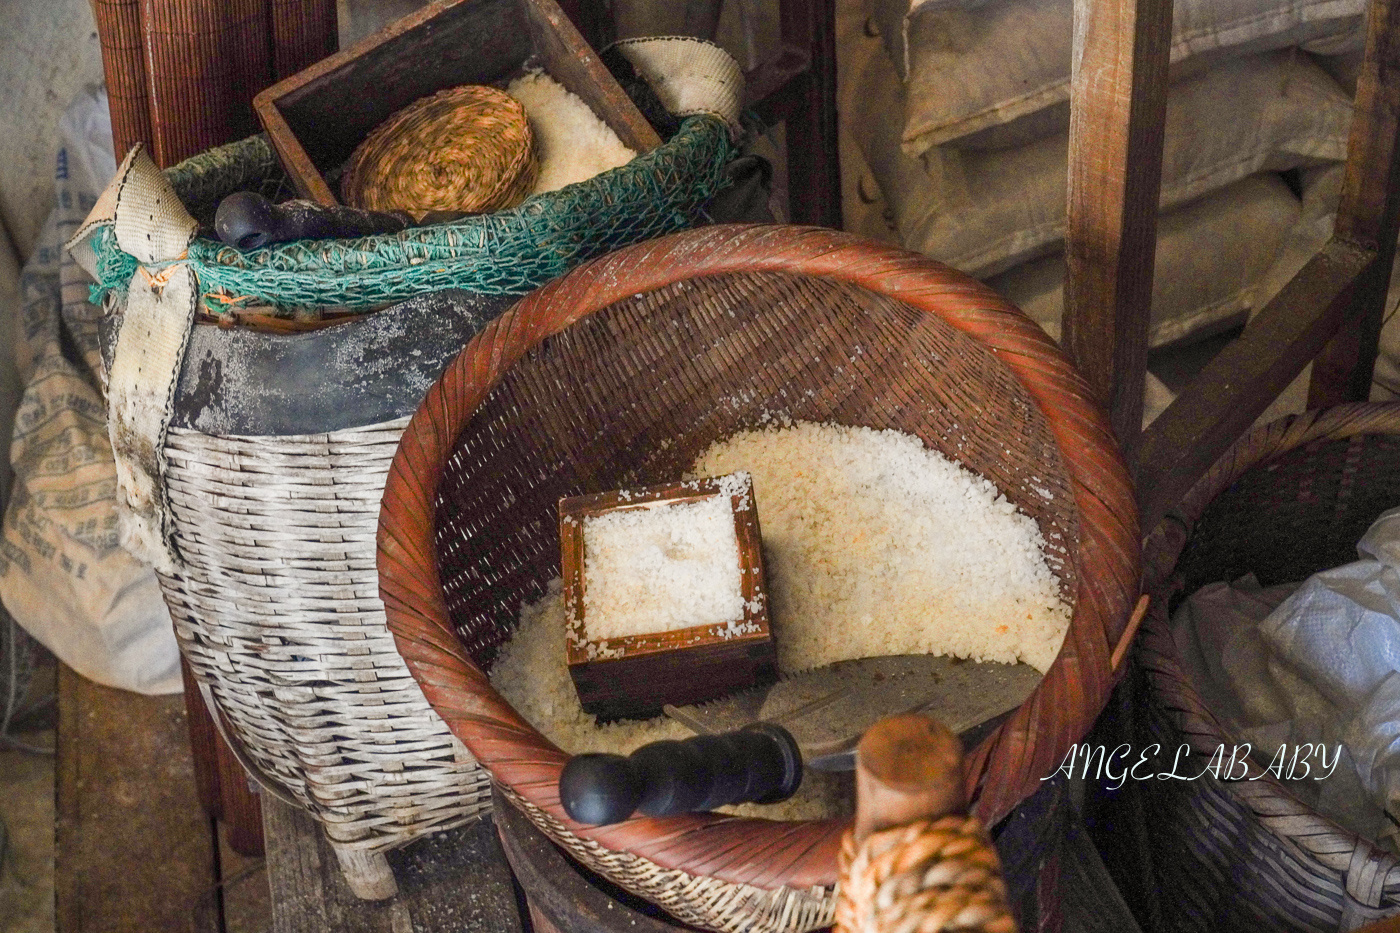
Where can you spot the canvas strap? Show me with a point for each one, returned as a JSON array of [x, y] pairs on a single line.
[[689, 76], [152, 225]]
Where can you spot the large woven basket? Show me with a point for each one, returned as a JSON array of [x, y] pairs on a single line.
[[276, 454], [1284, 502], [621, 373]]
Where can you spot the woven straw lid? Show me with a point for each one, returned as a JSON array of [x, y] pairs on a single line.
[[465, 148]]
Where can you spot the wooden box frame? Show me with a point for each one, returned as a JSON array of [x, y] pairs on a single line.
[[318, 116], [683, 666]]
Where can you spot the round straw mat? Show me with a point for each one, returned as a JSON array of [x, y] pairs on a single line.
[[466, 148]]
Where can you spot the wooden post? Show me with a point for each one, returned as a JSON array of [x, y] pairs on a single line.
[[813, 154], [914, 860], [1368, 214], [907, 768], [1118, 101]]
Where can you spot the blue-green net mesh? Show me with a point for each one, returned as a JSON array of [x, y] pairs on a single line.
[[510, 252]]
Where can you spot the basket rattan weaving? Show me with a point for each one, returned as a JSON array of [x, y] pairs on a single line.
[[465, 148], [1284, 502], [620, 373]]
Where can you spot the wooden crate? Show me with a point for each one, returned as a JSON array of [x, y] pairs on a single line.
[[317, 117], [637, 674]]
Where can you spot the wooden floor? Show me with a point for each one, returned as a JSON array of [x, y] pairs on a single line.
[[135, 851]]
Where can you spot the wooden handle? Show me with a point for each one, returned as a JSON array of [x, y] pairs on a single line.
[[914, 860], [908, 768]]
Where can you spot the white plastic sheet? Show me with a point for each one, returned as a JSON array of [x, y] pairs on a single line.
[[1315, 663]]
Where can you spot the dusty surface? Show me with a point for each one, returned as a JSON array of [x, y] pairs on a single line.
[[26, 822], [134, 849]]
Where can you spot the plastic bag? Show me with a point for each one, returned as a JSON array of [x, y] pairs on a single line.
[[1314, 663]]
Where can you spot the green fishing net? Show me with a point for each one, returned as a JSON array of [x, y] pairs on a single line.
[[509, 252]]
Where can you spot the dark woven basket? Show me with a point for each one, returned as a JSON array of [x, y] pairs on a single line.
[[1285, 502], [619, 374]]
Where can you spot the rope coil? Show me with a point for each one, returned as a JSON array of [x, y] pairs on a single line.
[[924, 877]]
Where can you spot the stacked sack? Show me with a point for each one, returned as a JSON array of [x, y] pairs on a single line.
[[964, 118]]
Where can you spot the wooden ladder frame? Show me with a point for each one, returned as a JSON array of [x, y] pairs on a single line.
[[1330, 313]]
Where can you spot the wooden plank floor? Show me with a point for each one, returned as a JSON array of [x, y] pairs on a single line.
[[134, 851], [457, 881]]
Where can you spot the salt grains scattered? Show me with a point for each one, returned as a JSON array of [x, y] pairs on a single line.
[[532, 675], [573, 144], [874, 545], [665, 567]]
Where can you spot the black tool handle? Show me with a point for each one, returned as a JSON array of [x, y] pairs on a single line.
[[759, 763], [248, 220]]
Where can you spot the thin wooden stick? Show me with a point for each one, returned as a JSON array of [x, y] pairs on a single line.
[[1120, 651]]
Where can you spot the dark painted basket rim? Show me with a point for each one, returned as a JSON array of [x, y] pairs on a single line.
[[1025, 749]]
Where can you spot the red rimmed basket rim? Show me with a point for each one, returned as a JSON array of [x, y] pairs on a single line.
[[1004, 769]]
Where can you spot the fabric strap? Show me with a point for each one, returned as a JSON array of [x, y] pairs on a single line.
[[689, 76], [151, 224]]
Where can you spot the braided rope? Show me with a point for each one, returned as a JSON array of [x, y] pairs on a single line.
[[925, 877]]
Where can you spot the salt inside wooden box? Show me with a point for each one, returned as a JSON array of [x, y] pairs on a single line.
[[663, 595]]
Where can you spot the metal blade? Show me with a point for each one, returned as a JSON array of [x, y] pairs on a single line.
[[828, 709]]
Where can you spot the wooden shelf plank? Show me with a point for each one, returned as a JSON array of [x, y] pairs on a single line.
[[134, 849]]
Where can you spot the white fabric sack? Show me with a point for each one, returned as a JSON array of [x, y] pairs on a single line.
[[996, 73], [985, 212], [1211, 255], [1323, 666], [63, 575]]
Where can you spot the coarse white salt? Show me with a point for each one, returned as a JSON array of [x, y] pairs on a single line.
[[661, 567], [571, 142], [875, 545]]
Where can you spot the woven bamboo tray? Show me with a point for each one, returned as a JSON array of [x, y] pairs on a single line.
[[619, 374], [1284, 502]]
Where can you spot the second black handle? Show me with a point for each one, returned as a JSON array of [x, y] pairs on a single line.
[[760, 763], [247, 220]]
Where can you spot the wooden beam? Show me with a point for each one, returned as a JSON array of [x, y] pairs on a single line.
[[1368, 213], [1117, 113], [1245, 377], [813, 156]]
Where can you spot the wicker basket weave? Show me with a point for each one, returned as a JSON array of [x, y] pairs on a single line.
[[276, 602], [1285, 502], [466, 148], [621, 373]]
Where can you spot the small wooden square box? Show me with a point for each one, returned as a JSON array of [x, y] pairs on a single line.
[[641, 673], [317, 117]]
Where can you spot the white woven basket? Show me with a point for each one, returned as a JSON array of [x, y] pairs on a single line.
[[277, 609], [263, 532]]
